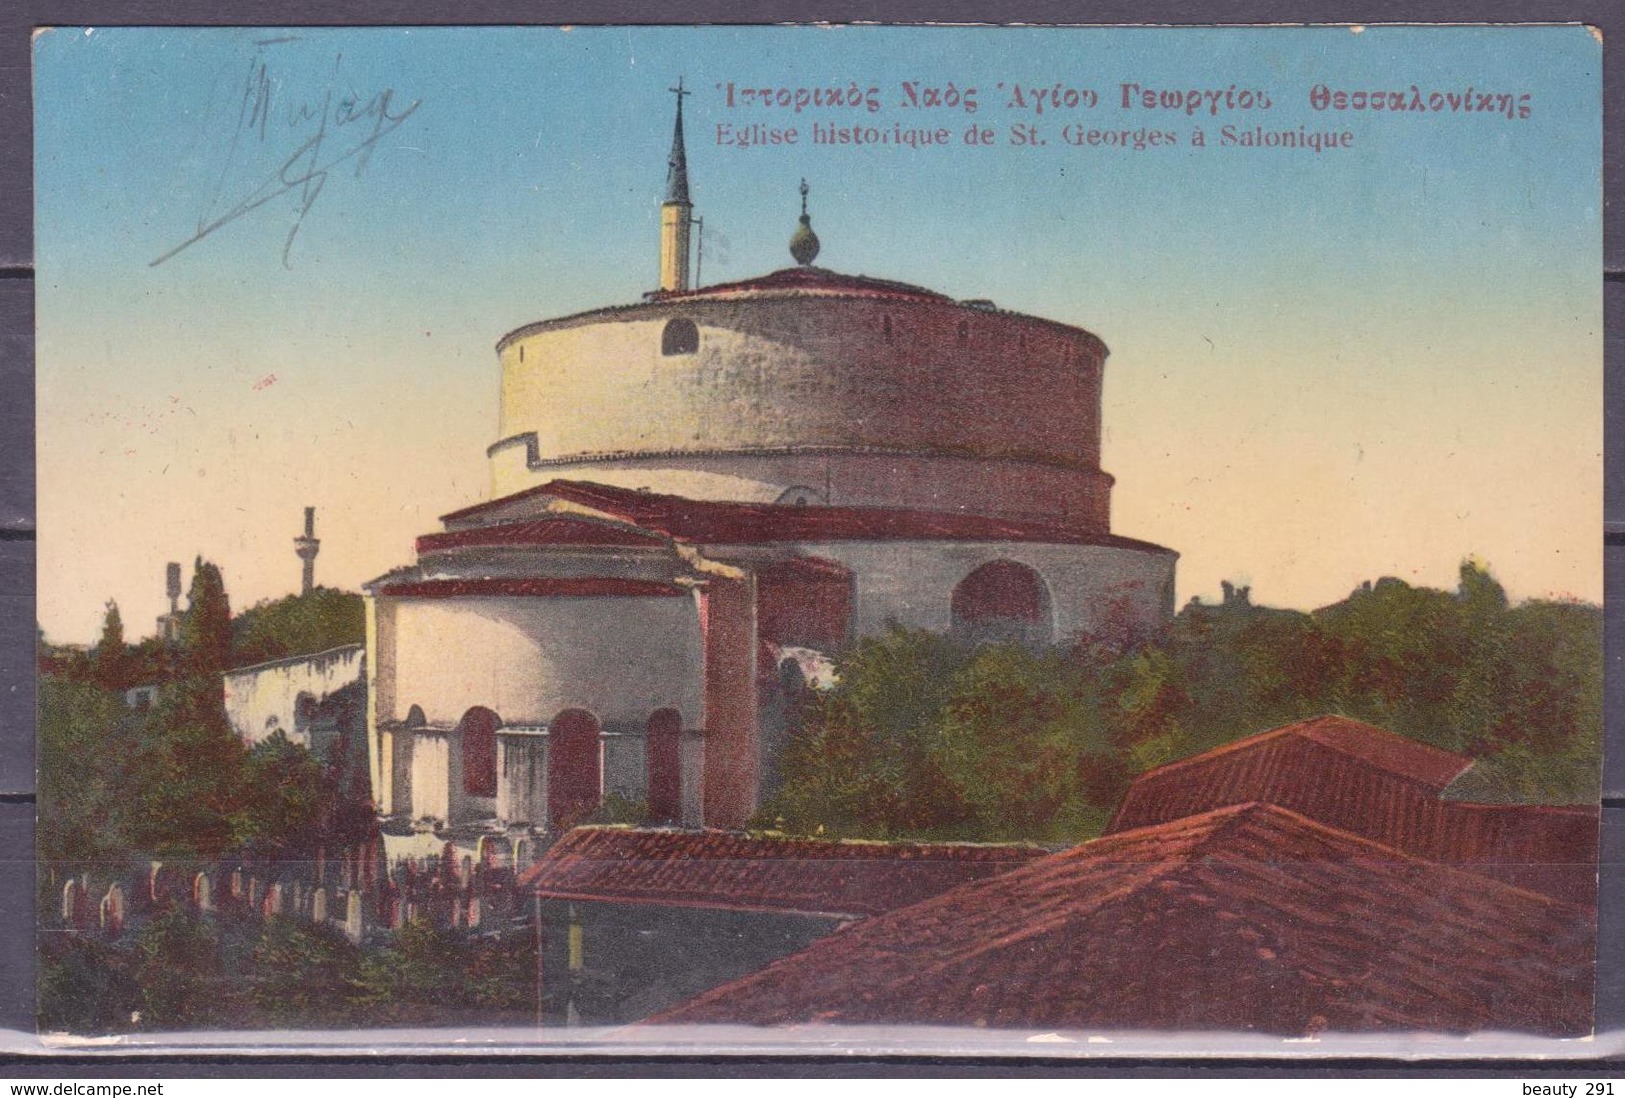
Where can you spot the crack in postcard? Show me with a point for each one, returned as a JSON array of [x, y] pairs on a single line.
[[1007, 539]]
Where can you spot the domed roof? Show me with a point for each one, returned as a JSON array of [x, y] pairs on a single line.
[[810, 279]]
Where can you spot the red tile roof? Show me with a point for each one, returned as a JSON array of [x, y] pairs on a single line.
[[1362, 779], [1247, 918], [576, 587], [814, 280], [730, 523], [1366, 742], [727, 870], [547, 530]]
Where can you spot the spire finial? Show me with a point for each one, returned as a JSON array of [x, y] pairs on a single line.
[[804, 242], [677, 162]]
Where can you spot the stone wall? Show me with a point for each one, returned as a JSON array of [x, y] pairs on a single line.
[[1013, 488], [916, 376], [267, 697], [912, 583]]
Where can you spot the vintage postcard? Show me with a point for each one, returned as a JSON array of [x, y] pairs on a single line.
[[1030, 540]]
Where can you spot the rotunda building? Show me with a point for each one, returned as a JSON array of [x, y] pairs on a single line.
[[704, 495]]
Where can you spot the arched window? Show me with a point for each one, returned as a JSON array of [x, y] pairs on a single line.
[[885, 326], [679, 338], [478, 730], [964, 331], [1002, 601], [799, 495], [663, 751], [575, 769]]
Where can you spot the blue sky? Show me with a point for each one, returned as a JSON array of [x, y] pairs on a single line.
[[1325, 367]]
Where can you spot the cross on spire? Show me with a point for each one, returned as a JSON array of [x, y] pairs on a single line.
[[677, 162]]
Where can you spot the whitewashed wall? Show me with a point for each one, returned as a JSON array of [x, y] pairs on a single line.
[[261, 699], [527, 659]]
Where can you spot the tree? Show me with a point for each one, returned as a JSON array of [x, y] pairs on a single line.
[[1021, 741], [865, 761], [286, 795], [298, 625], [189, 781], [206, 627], [928, 738], [86, 743], [111, 660]]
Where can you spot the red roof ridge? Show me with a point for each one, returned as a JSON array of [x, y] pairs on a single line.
[[932, 952], [552, 527], [530, 587], [741, 871], [1248, 815], [1323, 730], [731, 522]]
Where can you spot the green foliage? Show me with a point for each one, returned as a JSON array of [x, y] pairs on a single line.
[[618, 809], [86, 742], [175, 782], [186, 790], [1019, 736], [111, 659], [181, 972], [85, 986], [286, 794], [304, 975], [206, 626], [298, 625], [455, 975], [929, 738], [866, 760]]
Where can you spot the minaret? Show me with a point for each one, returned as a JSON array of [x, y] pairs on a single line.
[[307, 547], [676, 212]]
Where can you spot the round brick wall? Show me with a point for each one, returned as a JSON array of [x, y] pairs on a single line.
[[785, 374]]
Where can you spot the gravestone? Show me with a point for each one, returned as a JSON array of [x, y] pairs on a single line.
[[112, 911], [354, 927]]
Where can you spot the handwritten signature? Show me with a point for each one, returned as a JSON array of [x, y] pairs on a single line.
[[339, 128]]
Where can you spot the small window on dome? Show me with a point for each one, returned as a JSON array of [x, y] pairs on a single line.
[[885, 326], [800, 495], [521, 352], [964, 331], [681, 337]]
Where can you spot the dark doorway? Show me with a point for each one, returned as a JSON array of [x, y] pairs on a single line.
[[478, 730], [663, 748], [575, 769]]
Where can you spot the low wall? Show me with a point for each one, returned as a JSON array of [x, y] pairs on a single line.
[[267, 696]]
